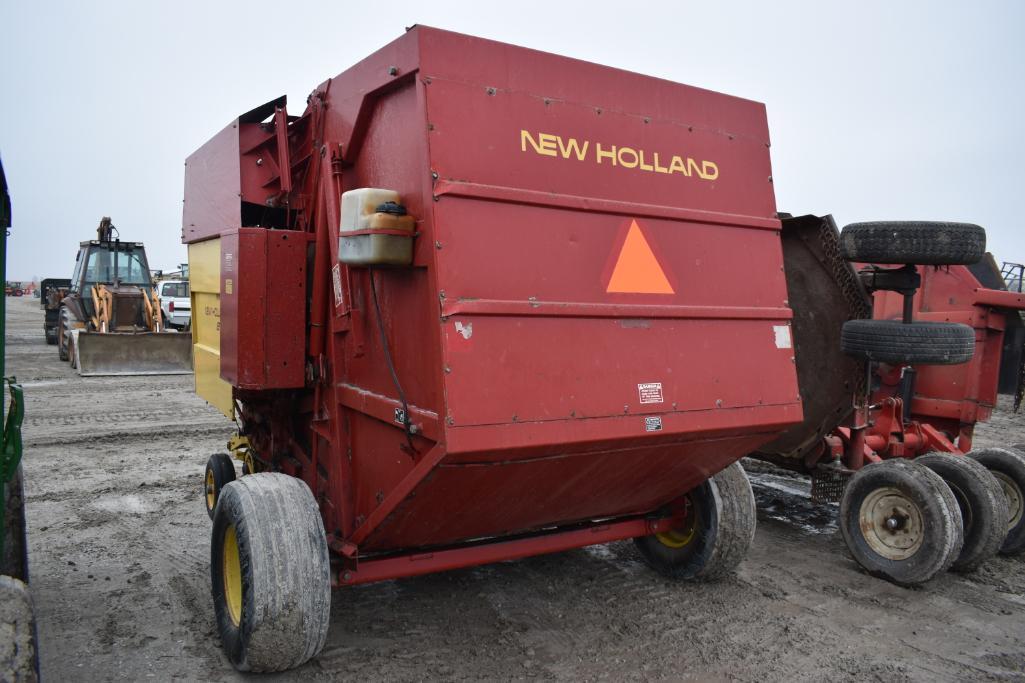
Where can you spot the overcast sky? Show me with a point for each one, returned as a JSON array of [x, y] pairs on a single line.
[[876, 109]]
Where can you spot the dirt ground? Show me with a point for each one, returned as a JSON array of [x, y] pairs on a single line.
[[119, 548]]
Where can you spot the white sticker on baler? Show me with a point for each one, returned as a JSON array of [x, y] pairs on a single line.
[[336, 281], [653, 424], [782, 333], [650, 392]]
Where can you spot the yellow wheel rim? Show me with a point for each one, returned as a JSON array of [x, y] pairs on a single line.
[[232, 576], [250, 463], [682, 537], [211, 490]]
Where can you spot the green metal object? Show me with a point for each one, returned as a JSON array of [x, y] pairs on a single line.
[[10, 448]]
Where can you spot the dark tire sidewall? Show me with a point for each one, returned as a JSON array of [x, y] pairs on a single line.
[[933, 555], [224, 473], [1010, 463], [974, 493], [234, 638], [688, 561]]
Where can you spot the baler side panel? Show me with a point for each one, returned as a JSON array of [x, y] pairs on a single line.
[[212, 188], [537, 330]]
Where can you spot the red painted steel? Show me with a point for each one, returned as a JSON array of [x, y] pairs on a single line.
[[414, 564], [538, 399], [949, 399], [263, 285]]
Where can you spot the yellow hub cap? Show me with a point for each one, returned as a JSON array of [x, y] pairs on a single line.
[[891, 524], [680, 538], [250, 463], [211, 490], [232, 576]]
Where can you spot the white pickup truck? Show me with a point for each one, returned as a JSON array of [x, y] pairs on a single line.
[[175, 303]]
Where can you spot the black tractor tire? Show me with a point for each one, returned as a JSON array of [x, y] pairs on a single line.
[[270, 573], [916, 343], [719, 533], [19, 651], [220, 471], [64, 334], [926, 535], [1008, 466], [981, 501], [919, 242], [51, 336], [14, 561]]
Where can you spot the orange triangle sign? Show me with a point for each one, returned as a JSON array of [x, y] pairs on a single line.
[[637, 270]]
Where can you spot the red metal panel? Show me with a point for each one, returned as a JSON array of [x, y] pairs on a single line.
[[263, 321], [473, 500], [482, 95], [212, 188]]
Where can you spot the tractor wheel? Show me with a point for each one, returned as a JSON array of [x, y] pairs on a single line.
[[1008, 466], [716, 535], [982, 504], [63, 334], [901, 522], [51, 336], [920, 242], [220, 471], [270, 572], [14, 559], [917, 343]]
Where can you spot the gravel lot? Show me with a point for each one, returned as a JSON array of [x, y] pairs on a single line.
[[119, 549]]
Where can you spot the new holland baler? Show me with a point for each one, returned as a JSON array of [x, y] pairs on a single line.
[[476, 303]]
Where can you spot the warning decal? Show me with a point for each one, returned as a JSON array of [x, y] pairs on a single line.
[[637, 270], [336, 282], [650, 392]]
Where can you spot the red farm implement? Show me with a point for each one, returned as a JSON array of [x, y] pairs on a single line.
[[470, 306]]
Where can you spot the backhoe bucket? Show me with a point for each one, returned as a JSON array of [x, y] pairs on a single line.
[[143, 353]]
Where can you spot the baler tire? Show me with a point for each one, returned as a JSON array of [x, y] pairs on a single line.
[[1008, 466], [927, 507], [916, 343], [982, 503], [220, 471], [918, 242], [725, 520], [280, 575]]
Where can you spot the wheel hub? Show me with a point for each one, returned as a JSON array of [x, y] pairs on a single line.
[[683, 535], [211, 490], [232, 575], [1015, 502], [891, 524]]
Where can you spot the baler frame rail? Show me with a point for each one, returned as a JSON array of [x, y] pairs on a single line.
[[351, 569]]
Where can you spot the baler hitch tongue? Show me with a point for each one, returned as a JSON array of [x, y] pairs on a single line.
[[144, 353]]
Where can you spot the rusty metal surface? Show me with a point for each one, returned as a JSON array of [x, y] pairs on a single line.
[[824, 292]]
